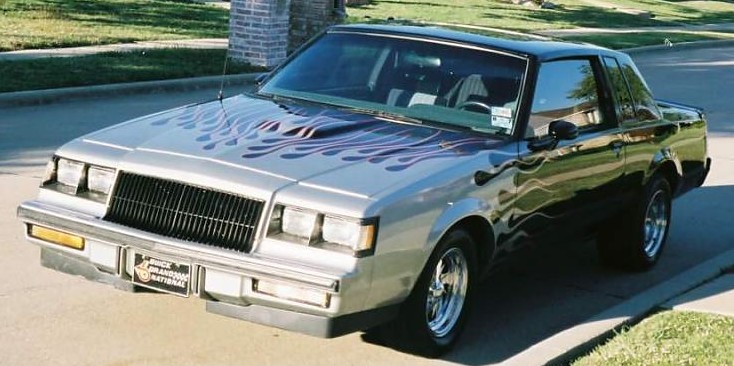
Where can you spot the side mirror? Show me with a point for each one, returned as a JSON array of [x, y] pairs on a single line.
[[557, 130], [563, 130], [260, 78]]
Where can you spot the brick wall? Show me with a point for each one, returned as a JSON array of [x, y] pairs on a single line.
[[258, 31], [262, 32], [309, 17]]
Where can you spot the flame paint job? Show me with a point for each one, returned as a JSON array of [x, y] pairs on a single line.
[[264, 128]]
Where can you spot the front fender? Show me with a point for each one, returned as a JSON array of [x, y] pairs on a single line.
[[454, 213]]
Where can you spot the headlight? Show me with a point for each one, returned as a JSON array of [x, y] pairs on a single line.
[[100, 179], [79, 179], [312, 228], [354, 234], [70, 173], [300, 223], [50, 175]]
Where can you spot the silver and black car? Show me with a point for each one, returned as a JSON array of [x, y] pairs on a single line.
[[372, 179]]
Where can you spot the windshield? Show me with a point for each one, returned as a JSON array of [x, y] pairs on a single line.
[[415, 80]]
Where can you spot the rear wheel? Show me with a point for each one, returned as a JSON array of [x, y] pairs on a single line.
[[433, 316], [636, 238]]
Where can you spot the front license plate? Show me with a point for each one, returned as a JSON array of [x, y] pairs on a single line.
[[161, 274]]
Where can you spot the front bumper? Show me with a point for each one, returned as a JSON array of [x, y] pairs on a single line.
[[226, 282]]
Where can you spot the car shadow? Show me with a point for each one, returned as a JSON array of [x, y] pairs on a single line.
[[544, 290]]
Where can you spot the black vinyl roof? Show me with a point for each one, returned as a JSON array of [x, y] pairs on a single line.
[[514, 43]]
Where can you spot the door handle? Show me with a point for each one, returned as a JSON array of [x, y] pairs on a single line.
[[481, 177], [617, 147]]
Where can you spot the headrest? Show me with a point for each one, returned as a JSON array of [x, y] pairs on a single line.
[[415, 59]]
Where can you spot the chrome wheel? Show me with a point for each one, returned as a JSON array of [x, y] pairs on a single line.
[[656, 224], [446, 292]]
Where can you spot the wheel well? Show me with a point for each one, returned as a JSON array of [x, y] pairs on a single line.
[[668, 171], [481, 231]]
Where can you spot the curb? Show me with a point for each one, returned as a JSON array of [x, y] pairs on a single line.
[[678, 46], [36, 97], [566, 346]]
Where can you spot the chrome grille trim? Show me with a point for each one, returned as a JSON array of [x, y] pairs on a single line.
[[183, 211]]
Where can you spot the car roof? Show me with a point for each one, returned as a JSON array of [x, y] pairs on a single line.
[[542, 49]]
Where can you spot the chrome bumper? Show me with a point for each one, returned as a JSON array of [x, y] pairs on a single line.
[[236, 299]]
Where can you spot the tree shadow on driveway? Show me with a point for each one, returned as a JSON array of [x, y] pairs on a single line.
[[544, 290]]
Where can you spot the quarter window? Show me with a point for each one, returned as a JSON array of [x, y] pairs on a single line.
[[622, 92], [566, 90], [645, 107]]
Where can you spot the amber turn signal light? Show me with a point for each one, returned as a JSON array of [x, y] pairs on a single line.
[[57, 237]]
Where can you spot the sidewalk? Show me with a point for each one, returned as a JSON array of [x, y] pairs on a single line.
[[222, 43], [716, 297], [707, 28], [203, 43]]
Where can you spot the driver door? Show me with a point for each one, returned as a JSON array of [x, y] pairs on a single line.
[[565, 186]]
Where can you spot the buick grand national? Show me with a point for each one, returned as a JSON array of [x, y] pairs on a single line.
[[372, 179]]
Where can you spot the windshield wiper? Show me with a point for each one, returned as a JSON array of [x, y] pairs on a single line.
[[397, 117], [387, 115], [274, 97]]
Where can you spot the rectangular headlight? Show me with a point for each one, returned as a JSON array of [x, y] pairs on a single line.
[[100, 179], [70, 173], [50, 175], [356, 235], [341, 234], [300, 223]]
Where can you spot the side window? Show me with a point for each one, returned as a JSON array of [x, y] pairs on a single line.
[[645, 106], [621, 91], [566, 90]]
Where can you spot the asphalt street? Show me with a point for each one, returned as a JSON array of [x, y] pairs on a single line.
[[51, 318]]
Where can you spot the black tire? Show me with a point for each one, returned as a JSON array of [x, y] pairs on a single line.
[[633, 240], [411, 331]]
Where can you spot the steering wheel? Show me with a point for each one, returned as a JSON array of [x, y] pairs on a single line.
[[472, 103]]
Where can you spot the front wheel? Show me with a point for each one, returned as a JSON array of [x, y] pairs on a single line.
[[433, 316], [636, 238]]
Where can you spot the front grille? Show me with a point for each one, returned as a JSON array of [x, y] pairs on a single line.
[[185, 212]]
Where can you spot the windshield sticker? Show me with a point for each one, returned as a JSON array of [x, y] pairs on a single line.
[[502, 122], [502, 112]]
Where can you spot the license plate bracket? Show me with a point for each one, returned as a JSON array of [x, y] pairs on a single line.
[[161, 274]]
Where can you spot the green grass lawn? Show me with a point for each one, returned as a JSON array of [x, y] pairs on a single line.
[[496, 14], [669, 338], [680, 11], [114, 67], [572, 13], [28, 24]]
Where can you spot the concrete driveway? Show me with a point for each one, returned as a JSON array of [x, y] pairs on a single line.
[[51, 318]]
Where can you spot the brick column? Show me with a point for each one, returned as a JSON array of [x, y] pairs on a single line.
[[258, 31], [309, 17]]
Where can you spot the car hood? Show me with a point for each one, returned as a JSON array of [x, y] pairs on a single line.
[[322, 147]]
